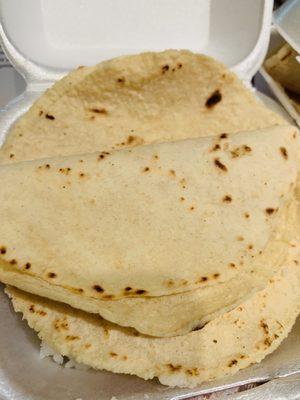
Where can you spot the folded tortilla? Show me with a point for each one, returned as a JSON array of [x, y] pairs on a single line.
[[230, 342], [133, 100], [111, 221]]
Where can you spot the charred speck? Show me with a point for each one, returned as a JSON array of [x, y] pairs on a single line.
[[216, 147], [232, 363], [3, 250], [215, 341], [216, 275], [247, 215], [49, 116], [146, 169], [284, 153], [220, 165], [264, 326], [179, 65], [165, 68], [223, 136], [174, 368], [31, 308], [112, 354], [247, 148], [204, 279], [98, 288], [140, 291], [231, 265], [11, 155], [98, 110], [270, 210], [213, 99], [41, 113], [227, 199], [13, 262], [27, 265], [121, 80], [52, 275]]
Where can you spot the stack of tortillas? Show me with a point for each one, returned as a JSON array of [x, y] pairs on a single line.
[[149, 219]]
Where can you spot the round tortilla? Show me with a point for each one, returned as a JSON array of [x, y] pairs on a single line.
[[133, 100], [230, 342], [147, 221]]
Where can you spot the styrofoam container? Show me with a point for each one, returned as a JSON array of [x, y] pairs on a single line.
[[43, 40]]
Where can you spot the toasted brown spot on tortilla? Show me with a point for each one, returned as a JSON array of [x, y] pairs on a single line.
[[240, 238], [270, 210], [220, 165], [284, 153], [232, 363], [264, 326], [128, 289], [192, 208], [223, 136], [131, 139], [52, 275], [121, 80], [13, 262], [246, 215], [146, 169], [41, 112], [27, 265], [31, 308], [72, 337], [42, 313], [81, 174], [231, 265], [247, 148], [156, 157], [174, 368], [179, 65], [213, 99], [98, 288], [170, 283], [165, 68], [98, 110], [3, 250], [87, 345], [296, 262], [216, 275], [227, 199], [215, 148], [112, 354], [294, 135], [124, 358], [11, 155], [49, 116], [140, 291], [204, 278], [182, 198], [108, 296], [172, 172], [215, 341], [267, 342], [192, 371], [250, 246]]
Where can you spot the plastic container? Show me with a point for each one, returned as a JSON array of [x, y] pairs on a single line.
[[43, 40], [286, 29]]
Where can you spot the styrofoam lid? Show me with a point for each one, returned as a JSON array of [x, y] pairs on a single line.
[[68, 33]]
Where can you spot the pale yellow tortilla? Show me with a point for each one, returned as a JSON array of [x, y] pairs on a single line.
[[216, 238], [133, 100], [230, 342]]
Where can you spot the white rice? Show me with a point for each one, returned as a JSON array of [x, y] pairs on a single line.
[[47, 351]]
